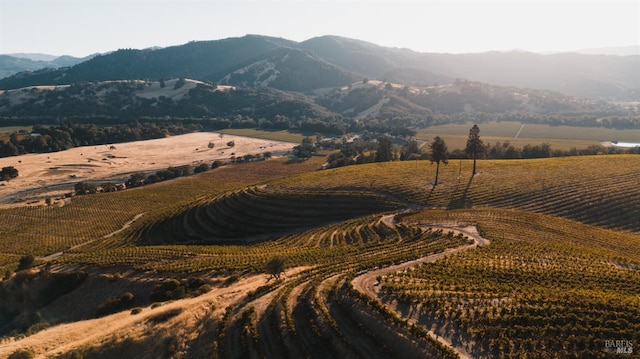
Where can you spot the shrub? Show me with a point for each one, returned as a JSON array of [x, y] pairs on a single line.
[[172, 289], [116, 304], [201, 168], [37, 327], [8, 173], [193, 283], [26, 262], [275, 267], [168, 290], [136, 310], [22, 354]]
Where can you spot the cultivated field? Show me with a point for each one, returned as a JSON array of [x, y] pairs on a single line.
[[528, 257], [519, 135]]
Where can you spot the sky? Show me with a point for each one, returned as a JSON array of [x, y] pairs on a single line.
[[83, 27]]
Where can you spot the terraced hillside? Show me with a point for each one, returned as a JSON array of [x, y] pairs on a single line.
[[557, 274], [543, 186], [259, 213]]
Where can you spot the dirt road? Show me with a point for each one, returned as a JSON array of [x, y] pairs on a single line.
[[368, 284]]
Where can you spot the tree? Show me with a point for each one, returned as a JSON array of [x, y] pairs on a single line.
[[85, 188], [474, 145], [384, 152], [275, 267], [8, 173], [136, 180], [439, 153], [306, 149]]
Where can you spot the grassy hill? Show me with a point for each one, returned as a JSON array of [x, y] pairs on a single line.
[[558, 277]]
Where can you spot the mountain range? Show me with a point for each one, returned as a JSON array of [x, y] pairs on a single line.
[[11, 64], [332, 61]]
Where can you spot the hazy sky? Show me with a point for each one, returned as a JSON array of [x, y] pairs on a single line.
[[82, 27]]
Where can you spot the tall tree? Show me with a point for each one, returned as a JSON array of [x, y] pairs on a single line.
[[384, 152], [474, 145], [439, 153]]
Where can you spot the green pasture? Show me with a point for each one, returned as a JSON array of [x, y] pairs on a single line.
[[559, 137], [5, 132], [284, 136]]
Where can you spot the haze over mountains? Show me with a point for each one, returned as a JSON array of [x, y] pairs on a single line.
[[330, 61], [11, 64]]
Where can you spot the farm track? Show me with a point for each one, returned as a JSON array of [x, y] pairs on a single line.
[[366, 283], [310, 315]]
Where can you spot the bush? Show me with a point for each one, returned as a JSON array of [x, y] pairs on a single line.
[[201, 168], [26, 262], [116, 304], [172, 289], [275, 267], [168, 290], [37, 327], [136, 310], [22, 354], [8, 173]]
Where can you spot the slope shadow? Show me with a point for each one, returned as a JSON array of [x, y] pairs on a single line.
[[462, 202]]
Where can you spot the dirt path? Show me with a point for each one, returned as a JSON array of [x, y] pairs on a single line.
[[367, 283]]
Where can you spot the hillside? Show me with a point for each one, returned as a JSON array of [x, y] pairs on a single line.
[[552, 250], [596, 76], [15, 63], [288, 69], [197, 60], [330, 111], [130, 100]]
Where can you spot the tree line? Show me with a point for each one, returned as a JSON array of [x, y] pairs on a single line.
[[44, 139], [368, 148]]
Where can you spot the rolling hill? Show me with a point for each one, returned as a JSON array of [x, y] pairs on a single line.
[[333, 110], [598, 76], [554, 260], [12, 64]]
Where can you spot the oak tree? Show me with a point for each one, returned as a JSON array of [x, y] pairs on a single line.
[[439, 153]]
